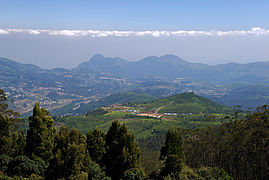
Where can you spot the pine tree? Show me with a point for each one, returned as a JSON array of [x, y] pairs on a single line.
[[41, 133], [96, 144], [173, 166], [19, 143], [71, 158], [173, 144], [122, 152], [5, 135], [8, 119]]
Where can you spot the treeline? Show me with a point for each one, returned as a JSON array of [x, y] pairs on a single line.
[[241, 146]]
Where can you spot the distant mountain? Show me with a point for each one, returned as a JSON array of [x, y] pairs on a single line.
[[248, 96], [55, 88], [171, 67], [12, 67], [185, 103]]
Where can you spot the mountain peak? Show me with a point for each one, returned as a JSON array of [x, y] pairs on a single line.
[[97, 56]]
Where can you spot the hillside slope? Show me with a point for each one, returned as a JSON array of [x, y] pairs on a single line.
[[185, 103]]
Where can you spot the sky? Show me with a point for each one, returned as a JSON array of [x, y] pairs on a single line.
[[64, 33]]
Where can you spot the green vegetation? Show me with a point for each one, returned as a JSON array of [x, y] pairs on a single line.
[[185, 103], [144, 126], [41, 134]]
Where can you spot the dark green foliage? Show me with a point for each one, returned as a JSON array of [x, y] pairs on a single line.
[[150, 162], [213, 173], [173, 166], [96, 144], [240, 147], [173, 144], [8, 120], [40, 136], [5, 135], [4, 162], [122, 152], [96, 173], [71, 157], [21, 166], [18, 143], [134, 174]]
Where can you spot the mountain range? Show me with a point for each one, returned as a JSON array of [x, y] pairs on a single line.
[[171, 67], [71, 90]]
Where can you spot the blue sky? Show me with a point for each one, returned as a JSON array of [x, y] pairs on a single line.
[[208, 31], [134, 14]]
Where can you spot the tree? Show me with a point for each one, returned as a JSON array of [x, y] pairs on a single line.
[[122, 152], [5, 135], [8, 119], [173, 166], [19, 143], [96, 144], [173, 144], [4, 107], [71, 155], [41, 133], [96, 173]]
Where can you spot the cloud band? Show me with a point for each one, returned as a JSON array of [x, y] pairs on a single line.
[[256, 31]]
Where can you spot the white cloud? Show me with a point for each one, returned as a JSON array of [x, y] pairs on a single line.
[[2, 31], [257, 31]]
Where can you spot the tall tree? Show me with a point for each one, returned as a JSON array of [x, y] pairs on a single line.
[[122, 152], [71, 155], [173, 144], [40, 136], [96, 144], [8, 119]]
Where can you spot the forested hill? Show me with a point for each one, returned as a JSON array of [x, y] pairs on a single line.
[[184, 103]]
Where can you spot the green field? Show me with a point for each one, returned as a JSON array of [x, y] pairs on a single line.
[[143, 127]]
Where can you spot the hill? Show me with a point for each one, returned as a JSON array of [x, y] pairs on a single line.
[[152, 117], [184, 103]]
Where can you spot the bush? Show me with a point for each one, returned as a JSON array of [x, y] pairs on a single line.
[[187, 173], [4, 162], [96, 172], [134, 174], [213, 173], [25, 167]]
